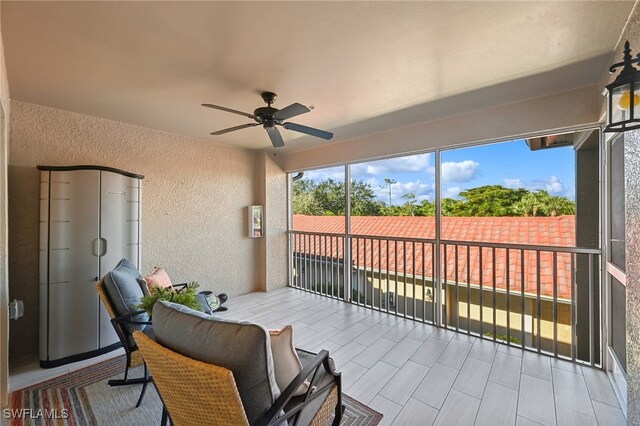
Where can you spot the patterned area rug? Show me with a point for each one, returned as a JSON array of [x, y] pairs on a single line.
[[83, 398]]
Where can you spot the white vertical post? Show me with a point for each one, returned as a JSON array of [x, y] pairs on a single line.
[[438, 278], [347, 232], [290, 246]]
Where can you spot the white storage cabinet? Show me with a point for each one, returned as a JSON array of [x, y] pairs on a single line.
[[89, 220]]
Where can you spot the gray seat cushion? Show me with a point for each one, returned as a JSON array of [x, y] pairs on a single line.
[[125, 292], [242, 347]]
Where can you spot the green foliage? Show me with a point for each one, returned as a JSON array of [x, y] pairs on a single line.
[[503, 337], [338, 291], [540, 203], [497, 201], [363, 201], [451, 206], [327, 197], [328, 288], [488, 200], [426, 208], [559, 206], [304, 199], [186, 297]]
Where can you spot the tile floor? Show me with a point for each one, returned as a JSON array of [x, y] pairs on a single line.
[[416, 374]]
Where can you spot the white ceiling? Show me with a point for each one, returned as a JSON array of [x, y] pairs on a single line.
[[365, 66]]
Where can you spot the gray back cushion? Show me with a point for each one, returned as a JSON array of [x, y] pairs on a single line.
[[124, 290], [242, 347]]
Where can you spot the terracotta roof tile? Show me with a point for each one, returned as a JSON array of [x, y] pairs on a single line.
[[539, 231]]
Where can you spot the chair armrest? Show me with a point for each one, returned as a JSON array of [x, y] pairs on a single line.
[[271, 417], [125, 319], [181, 285]]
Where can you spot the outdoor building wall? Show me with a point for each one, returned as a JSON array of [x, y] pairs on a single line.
[[4, 287], [632, 266], [194, 199], [632, 231], [571, 108]]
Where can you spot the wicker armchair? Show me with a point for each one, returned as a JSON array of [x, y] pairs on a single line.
[[195, 392]]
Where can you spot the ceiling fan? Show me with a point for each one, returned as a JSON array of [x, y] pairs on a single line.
[[270, 117]]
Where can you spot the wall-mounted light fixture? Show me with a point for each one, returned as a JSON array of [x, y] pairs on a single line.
[[623, 95]]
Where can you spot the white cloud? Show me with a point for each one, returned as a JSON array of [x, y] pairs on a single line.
[[322, 174], [552, 185], [453, 192], [409, 164], [422, 191], [513, 183], [462, 171]]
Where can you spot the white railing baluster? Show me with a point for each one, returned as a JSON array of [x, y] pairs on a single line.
[[316, 266]]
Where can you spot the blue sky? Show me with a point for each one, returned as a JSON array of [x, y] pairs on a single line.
[[510, 164]]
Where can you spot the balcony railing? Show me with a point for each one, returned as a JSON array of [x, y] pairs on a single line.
[[540, 298]]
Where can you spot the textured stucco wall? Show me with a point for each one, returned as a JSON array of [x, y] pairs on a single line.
[[632, 231], [570, 108], [4, 291], [271, 192], [275, 184], [632, 266], [194, 196]]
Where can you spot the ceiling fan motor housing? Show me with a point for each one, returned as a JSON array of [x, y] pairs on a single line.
[[265, 114], [269, 97]]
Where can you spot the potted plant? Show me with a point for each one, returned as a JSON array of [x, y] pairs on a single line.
[[185, 296]]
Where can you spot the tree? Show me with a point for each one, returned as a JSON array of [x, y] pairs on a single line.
[[560, 206], [426, 208], [452, 207], [304, 201], [489, 200], [387, 185], [363, 200], [327, 198], [330, 195], [409, 206], [540, 203], [530, 204]]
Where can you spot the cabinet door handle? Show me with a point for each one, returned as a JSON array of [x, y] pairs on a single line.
[[103, 246], [96, 247]]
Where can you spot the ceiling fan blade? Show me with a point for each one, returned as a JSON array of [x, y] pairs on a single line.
[[291, 111], [246, 114], [231, 129], [308, 130], [275, 136]]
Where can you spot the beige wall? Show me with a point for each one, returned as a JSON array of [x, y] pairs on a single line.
[[272, 248], [4, 297], [275, 201], [632, 239], [571, 108], [194, 197]]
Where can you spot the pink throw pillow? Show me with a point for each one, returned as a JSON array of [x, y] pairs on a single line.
[[158, 278]]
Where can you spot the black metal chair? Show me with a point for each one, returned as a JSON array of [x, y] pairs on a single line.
[[122, 325]]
